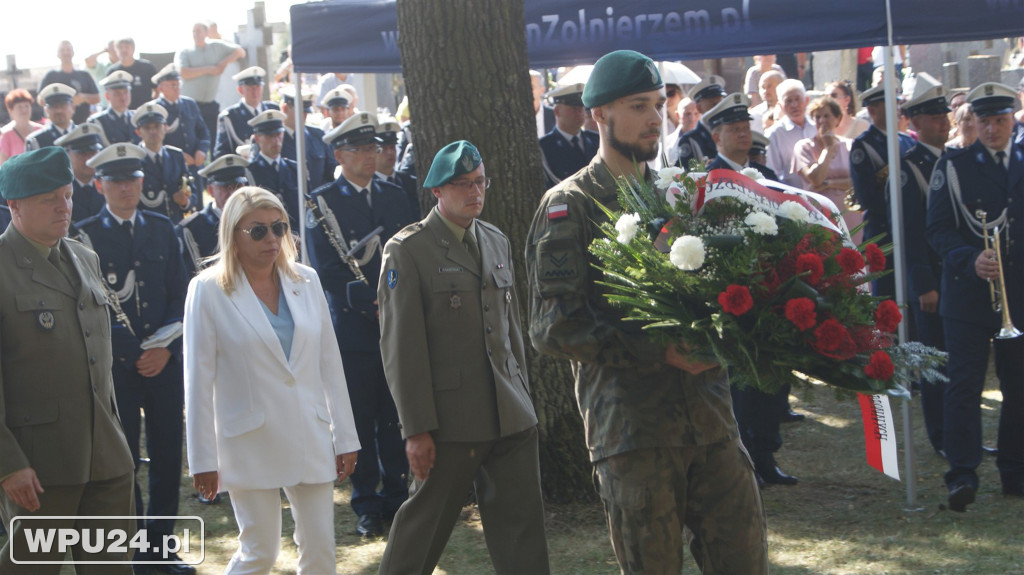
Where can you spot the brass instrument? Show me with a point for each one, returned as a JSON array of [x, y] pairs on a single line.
[[996, 286], [349, 260]]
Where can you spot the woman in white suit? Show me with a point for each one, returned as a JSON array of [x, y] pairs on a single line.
[[266, 402]]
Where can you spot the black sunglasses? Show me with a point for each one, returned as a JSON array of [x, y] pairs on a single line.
[[259, 231]]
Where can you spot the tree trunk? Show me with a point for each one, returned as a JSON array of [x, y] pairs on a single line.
[[467, 75]]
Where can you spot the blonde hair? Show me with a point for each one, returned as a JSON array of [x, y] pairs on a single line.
[[243, 201]]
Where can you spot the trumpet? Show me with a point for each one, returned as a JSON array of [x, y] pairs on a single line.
[[995, 287]]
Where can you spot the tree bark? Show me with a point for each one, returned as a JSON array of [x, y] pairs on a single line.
[[467, 75]]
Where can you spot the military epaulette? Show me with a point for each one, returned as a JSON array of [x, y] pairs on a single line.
[[185, 222], [156, 216], [408, 231], [954, 152], [489, 226], [95, 117], [174, 148]]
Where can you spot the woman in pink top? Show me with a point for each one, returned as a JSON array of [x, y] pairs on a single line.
[[823, 161], [12, 136]]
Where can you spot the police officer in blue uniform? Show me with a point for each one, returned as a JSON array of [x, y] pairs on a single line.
[[56, 100], [81, 144], [567, 147], [928, 109], [320, 162], [387, 170], [353, 207], [758, 414], [869, 170], [697, 143], [186, 129], [268, 169], [233, 127], [141, 263], [198, 232], [340, 105], [116, 120], [986, 177], [759, 148], [167, 187]]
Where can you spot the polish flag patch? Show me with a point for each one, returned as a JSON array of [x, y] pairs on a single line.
[[558, 211], [879, 434]]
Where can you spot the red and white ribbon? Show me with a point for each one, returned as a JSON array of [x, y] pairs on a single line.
[[879, 434]]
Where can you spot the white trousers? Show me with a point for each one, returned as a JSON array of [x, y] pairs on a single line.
[[258, 513]]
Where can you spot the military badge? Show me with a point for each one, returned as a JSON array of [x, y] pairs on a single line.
[[857, 156], [111, 278], [392, 278], [938, 179], [455, 302], [467, 163], [121, 151], [46, 320]]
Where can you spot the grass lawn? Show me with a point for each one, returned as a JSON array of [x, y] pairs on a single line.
[[843, 518]]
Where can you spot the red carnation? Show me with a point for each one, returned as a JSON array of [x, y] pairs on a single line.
[[875, 257], [800, 311], [888, 316], [810, 263], [830, 335], [736, 300], [880, 366], [850, 260]]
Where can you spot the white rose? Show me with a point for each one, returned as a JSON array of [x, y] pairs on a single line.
[[687, 253], [668, 175], [627, 227], [752, 173], [794, 211], [762, 223]]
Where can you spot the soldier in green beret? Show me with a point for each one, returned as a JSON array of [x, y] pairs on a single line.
[[659, 422], [62, 450], [454, 359]]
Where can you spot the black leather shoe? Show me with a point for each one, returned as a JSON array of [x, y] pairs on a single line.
[[174, 567], [990, 450], [792, 417], [370, 525], [771, 474], [960, 496]]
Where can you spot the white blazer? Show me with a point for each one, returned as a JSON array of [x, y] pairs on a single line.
[[262, 420]]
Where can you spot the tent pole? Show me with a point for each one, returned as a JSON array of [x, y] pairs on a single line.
[[300, 160], [896, 209]]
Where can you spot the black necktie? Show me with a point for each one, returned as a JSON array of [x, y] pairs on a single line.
[[1001, 160], [575, 142], [365, 193], [127, 226]]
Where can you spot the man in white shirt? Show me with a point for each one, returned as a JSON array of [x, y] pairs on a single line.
[[794, 126]]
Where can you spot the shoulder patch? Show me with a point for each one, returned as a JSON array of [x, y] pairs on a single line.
[[938, 179], [857, 156], [174, 148], [558, 211], [392, 277]]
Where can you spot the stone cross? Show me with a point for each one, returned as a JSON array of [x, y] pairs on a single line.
[[258, 39], [13, 71]]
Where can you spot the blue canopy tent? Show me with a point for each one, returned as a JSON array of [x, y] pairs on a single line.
[[567, 32]]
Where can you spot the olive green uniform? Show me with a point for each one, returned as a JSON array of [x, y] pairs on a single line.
[[664, 442], [57, 409], [455, 363]]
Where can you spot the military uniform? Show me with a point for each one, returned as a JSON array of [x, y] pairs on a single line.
[[84, 139], [197, 235], [869, 170], [388, 131], [282, 179], [351, 218], [185, 127], [233, 129], [45, 137], [59, 413], [696, 145], [963, 182], [140, 260], [456, 365], [563, 159], [320, 162], [117, 128]]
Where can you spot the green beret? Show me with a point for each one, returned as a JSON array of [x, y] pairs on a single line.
[[618, 74], [37, 172], [451, 161]]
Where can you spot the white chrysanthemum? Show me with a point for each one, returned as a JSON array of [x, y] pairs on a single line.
[[794, 211], [752, 173], [627, 227], [668, 175], [687, 253], [762, 223]]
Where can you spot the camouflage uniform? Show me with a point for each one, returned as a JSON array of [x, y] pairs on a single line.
[[664, 442]]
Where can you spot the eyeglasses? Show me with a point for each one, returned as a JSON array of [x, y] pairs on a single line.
[[259, 231], [467, 185], [369, 149]]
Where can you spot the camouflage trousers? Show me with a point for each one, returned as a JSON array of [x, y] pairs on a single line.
[[651, 495]]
